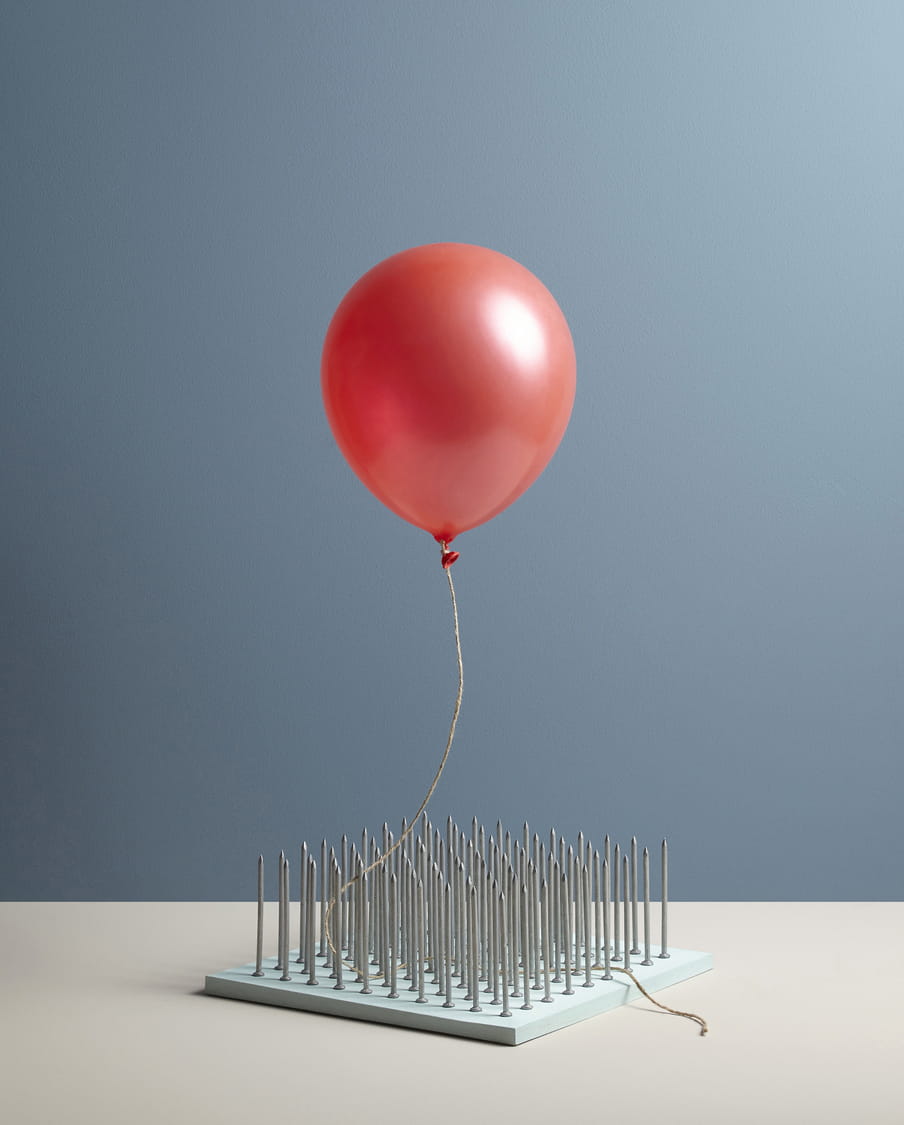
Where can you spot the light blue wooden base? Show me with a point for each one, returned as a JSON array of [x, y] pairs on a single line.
[[240, 984]]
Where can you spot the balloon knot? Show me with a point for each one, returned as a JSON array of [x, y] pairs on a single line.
[[448, 557]]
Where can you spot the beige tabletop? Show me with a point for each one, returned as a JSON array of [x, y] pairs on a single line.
[[102, 1019]]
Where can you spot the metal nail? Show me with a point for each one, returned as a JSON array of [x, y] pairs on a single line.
[[284, 920], [626, 904], [664, 940], [566, 931], [421, 943], [302, 902], [310, 963], [635, 950], [487, 933], [280, 962], [504, 966], [472, 950], [363, 953], [461, 925], [335, 884], [545, 938], [482, 920], [495, 985], [393, 936], [448, 970], [414, 950], [323, 896], [616, 903], [525, 947], [585, 903], [259, 958], [386, 928], [555, 917], [535, 923], [597, 909], [343, 906], [607, 948], [514, 931], [575, 915], [647, 960]]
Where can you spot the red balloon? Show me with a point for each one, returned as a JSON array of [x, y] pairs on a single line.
[[448, 377]]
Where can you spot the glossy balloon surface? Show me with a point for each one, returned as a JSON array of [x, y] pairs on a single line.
[[448, 378]]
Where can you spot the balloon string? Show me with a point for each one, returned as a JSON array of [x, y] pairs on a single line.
[[447, 562], [674, 1011], [439, 772]]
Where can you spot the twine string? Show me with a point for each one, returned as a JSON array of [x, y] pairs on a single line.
[[381, 859], [674, 1011], [448, 558]]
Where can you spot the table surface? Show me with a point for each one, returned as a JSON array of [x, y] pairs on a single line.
[[102, 1019]]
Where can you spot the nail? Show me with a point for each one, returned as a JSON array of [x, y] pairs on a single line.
[[373, 906], [495, 985], [503, 942], [626, 903], [462, 925], [616, 904], [534, 937], [259, 959], [525, 949], [447, 919], [302, 902], [555, 917], [585, 902], [393, 936], [607, 948], [386, 932], [482, 918], [635, 931], [363, 953], [421, 944], [472, 950], [280, 963], [310, 963], [342, 943], [469, 975], [664, 940], [597, 909], [323, 897], [466, 940], [566, 930], [573, 889], [488, 899], [437, 926], [335, 884], [334, 917], [284, 920], [514, 930], [411, 921], [647, 960], [544, 915]]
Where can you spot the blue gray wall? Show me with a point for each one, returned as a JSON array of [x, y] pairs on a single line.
[[215, 642]]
